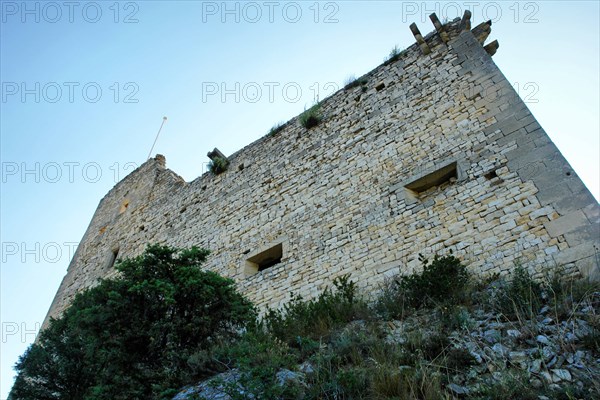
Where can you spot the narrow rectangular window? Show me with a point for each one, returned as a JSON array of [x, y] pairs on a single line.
[[442, 173], [436, 178], [112, 258], [264, 259]]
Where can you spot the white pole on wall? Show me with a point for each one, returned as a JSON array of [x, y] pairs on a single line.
[[155, 139]]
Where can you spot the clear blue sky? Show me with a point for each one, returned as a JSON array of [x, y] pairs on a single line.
[[85, 87]]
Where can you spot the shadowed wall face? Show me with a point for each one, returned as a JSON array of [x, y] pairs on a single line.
[[434, 152]]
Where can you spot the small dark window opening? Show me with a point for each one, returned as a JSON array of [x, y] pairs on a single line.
[[491, 175], [436, 178], [113, 258], [380, 87], [263, 260]]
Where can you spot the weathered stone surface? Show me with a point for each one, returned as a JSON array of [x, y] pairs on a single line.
[[457, 389], [543, 340], [561, 375], [566, 224], [214, 388]]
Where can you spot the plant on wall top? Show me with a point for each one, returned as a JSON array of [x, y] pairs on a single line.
[[311, 117], [352, 82], [394, 55], [218, 165], [278, 127]]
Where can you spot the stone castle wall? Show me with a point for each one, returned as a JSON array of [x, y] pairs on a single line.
[[437, 152]]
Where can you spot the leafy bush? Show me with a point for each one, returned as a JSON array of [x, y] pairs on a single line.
[[132, 337], [218, 165], [315, 318], [283, 338], [311, 117], [444, 280]]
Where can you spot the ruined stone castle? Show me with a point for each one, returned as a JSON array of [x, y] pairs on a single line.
[[432, 150]]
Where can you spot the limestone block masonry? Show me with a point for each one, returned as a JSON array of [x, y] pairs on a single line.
[[435, 152]]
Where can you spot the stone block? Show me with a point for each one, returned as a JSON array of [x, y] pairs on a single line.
[[567, 223]]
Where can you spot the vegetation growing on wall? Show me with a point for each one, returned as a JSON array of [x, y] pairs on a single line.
[[278, 127], [394, 55], [352, 82], [218, 165], [311, 117]]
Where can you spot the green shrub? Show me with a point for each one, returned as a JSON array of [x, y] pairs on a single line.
[[131, 337], [218, 165], [347, 366], [443, 281], [430, 346], [315, 318], [354, 381], [458, 359], [311, 117], [353, 344]]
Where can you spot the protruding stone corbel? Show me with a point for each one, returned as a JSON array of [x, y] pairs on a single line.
[[424, 46], [492, 47], [218, 162], [216, 153], [482, 31], [465, 22], [439, 28]]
